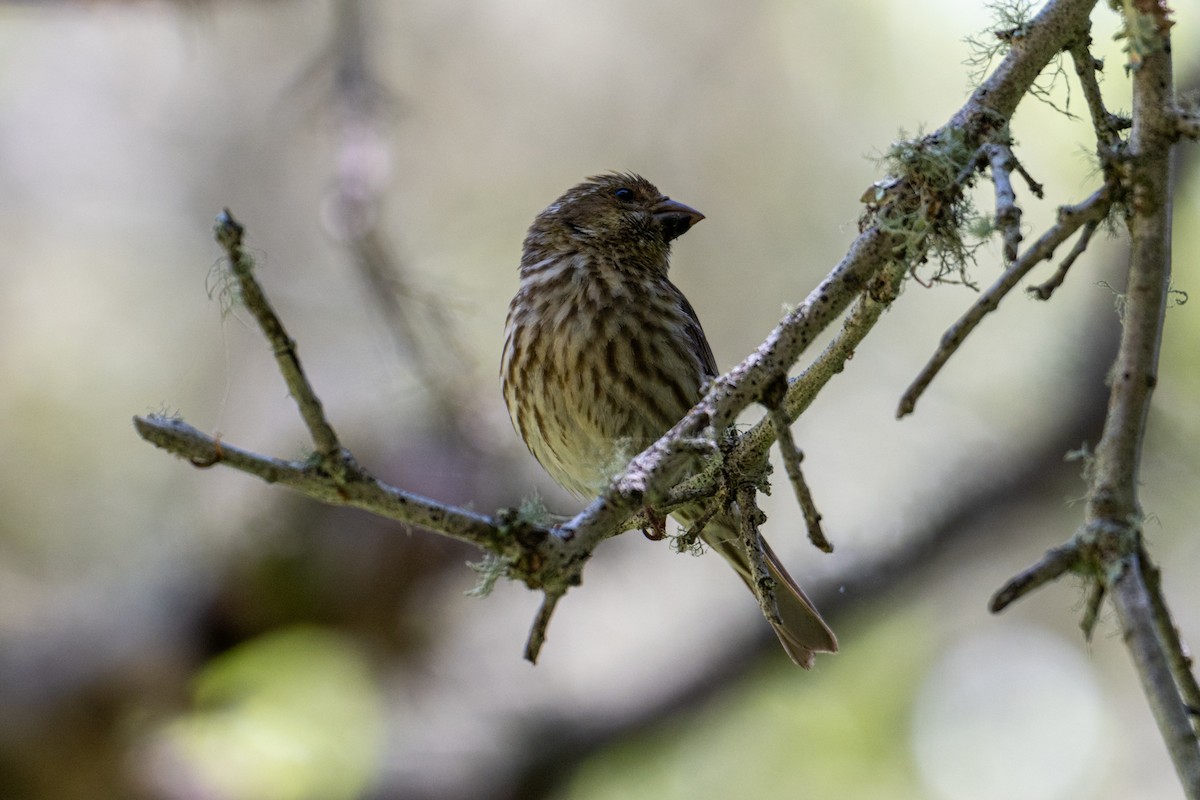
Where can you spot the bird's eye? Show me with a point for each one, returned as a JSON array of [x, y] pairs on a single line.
[[623, 194]]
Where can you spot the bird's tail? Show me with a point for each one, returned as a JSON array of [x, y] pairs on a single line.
[[800, 628]]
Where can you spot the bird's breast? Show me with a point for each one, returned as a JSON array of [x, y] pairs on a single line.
[[595, 369]]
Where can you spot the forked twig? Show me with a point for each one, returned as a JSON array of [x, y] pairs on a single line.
[[1070, 219], [229, 232], [1043, 291]]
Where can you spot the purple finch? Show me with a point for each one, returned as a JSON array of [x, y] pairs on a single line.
[[603, 354]]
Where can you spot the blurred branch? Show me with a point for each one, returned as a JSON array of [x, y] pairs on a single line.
[[420, 325]]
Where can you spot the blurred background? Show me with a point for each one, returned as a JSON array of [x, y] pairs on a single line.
[[172, 633]]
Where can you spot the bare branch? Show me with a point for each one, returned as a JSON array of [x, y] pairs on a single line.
[[791, 462], [1180, 659], [537, 631], [1070, 219], [1110, 546], [229, 235], [1052, 566], [1043, 291], [1113, 508], [1035, 188], [310, 478], [1105, 124]]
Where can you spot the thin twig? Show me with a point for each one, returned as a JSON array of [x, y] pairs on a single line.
[[1091, 609], [229, 235], [1008, 214], [692, 534], [541, 621], [1043, 291], [1105, 124], [773, 400], [761, 581], [1070, 219], [1056, 562], [1035, 188]]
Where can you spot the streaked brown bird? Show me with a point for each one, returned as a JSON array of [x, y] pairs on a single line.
[[602, 354]]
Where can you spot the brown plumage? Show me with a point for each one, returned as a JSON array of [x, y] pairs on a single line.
[[602, 354]]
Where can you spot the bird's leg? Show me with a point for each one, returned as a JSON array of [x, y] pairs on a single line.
[[656, 525]]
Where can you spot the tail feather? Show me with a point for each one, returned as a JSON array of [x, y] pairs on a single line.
[[801, 630]]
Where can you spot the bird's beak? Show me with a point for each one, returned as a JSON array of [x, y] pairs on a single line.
[[674, 217]]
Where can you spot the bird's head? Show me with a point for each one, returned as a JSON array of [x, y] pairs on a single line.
[[620, 215]]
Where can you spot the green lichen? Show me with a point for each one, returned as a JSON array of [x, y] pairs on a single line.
[[923, 205], [1012, 19], [222, 286], [489, 569], [1146, 30]]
